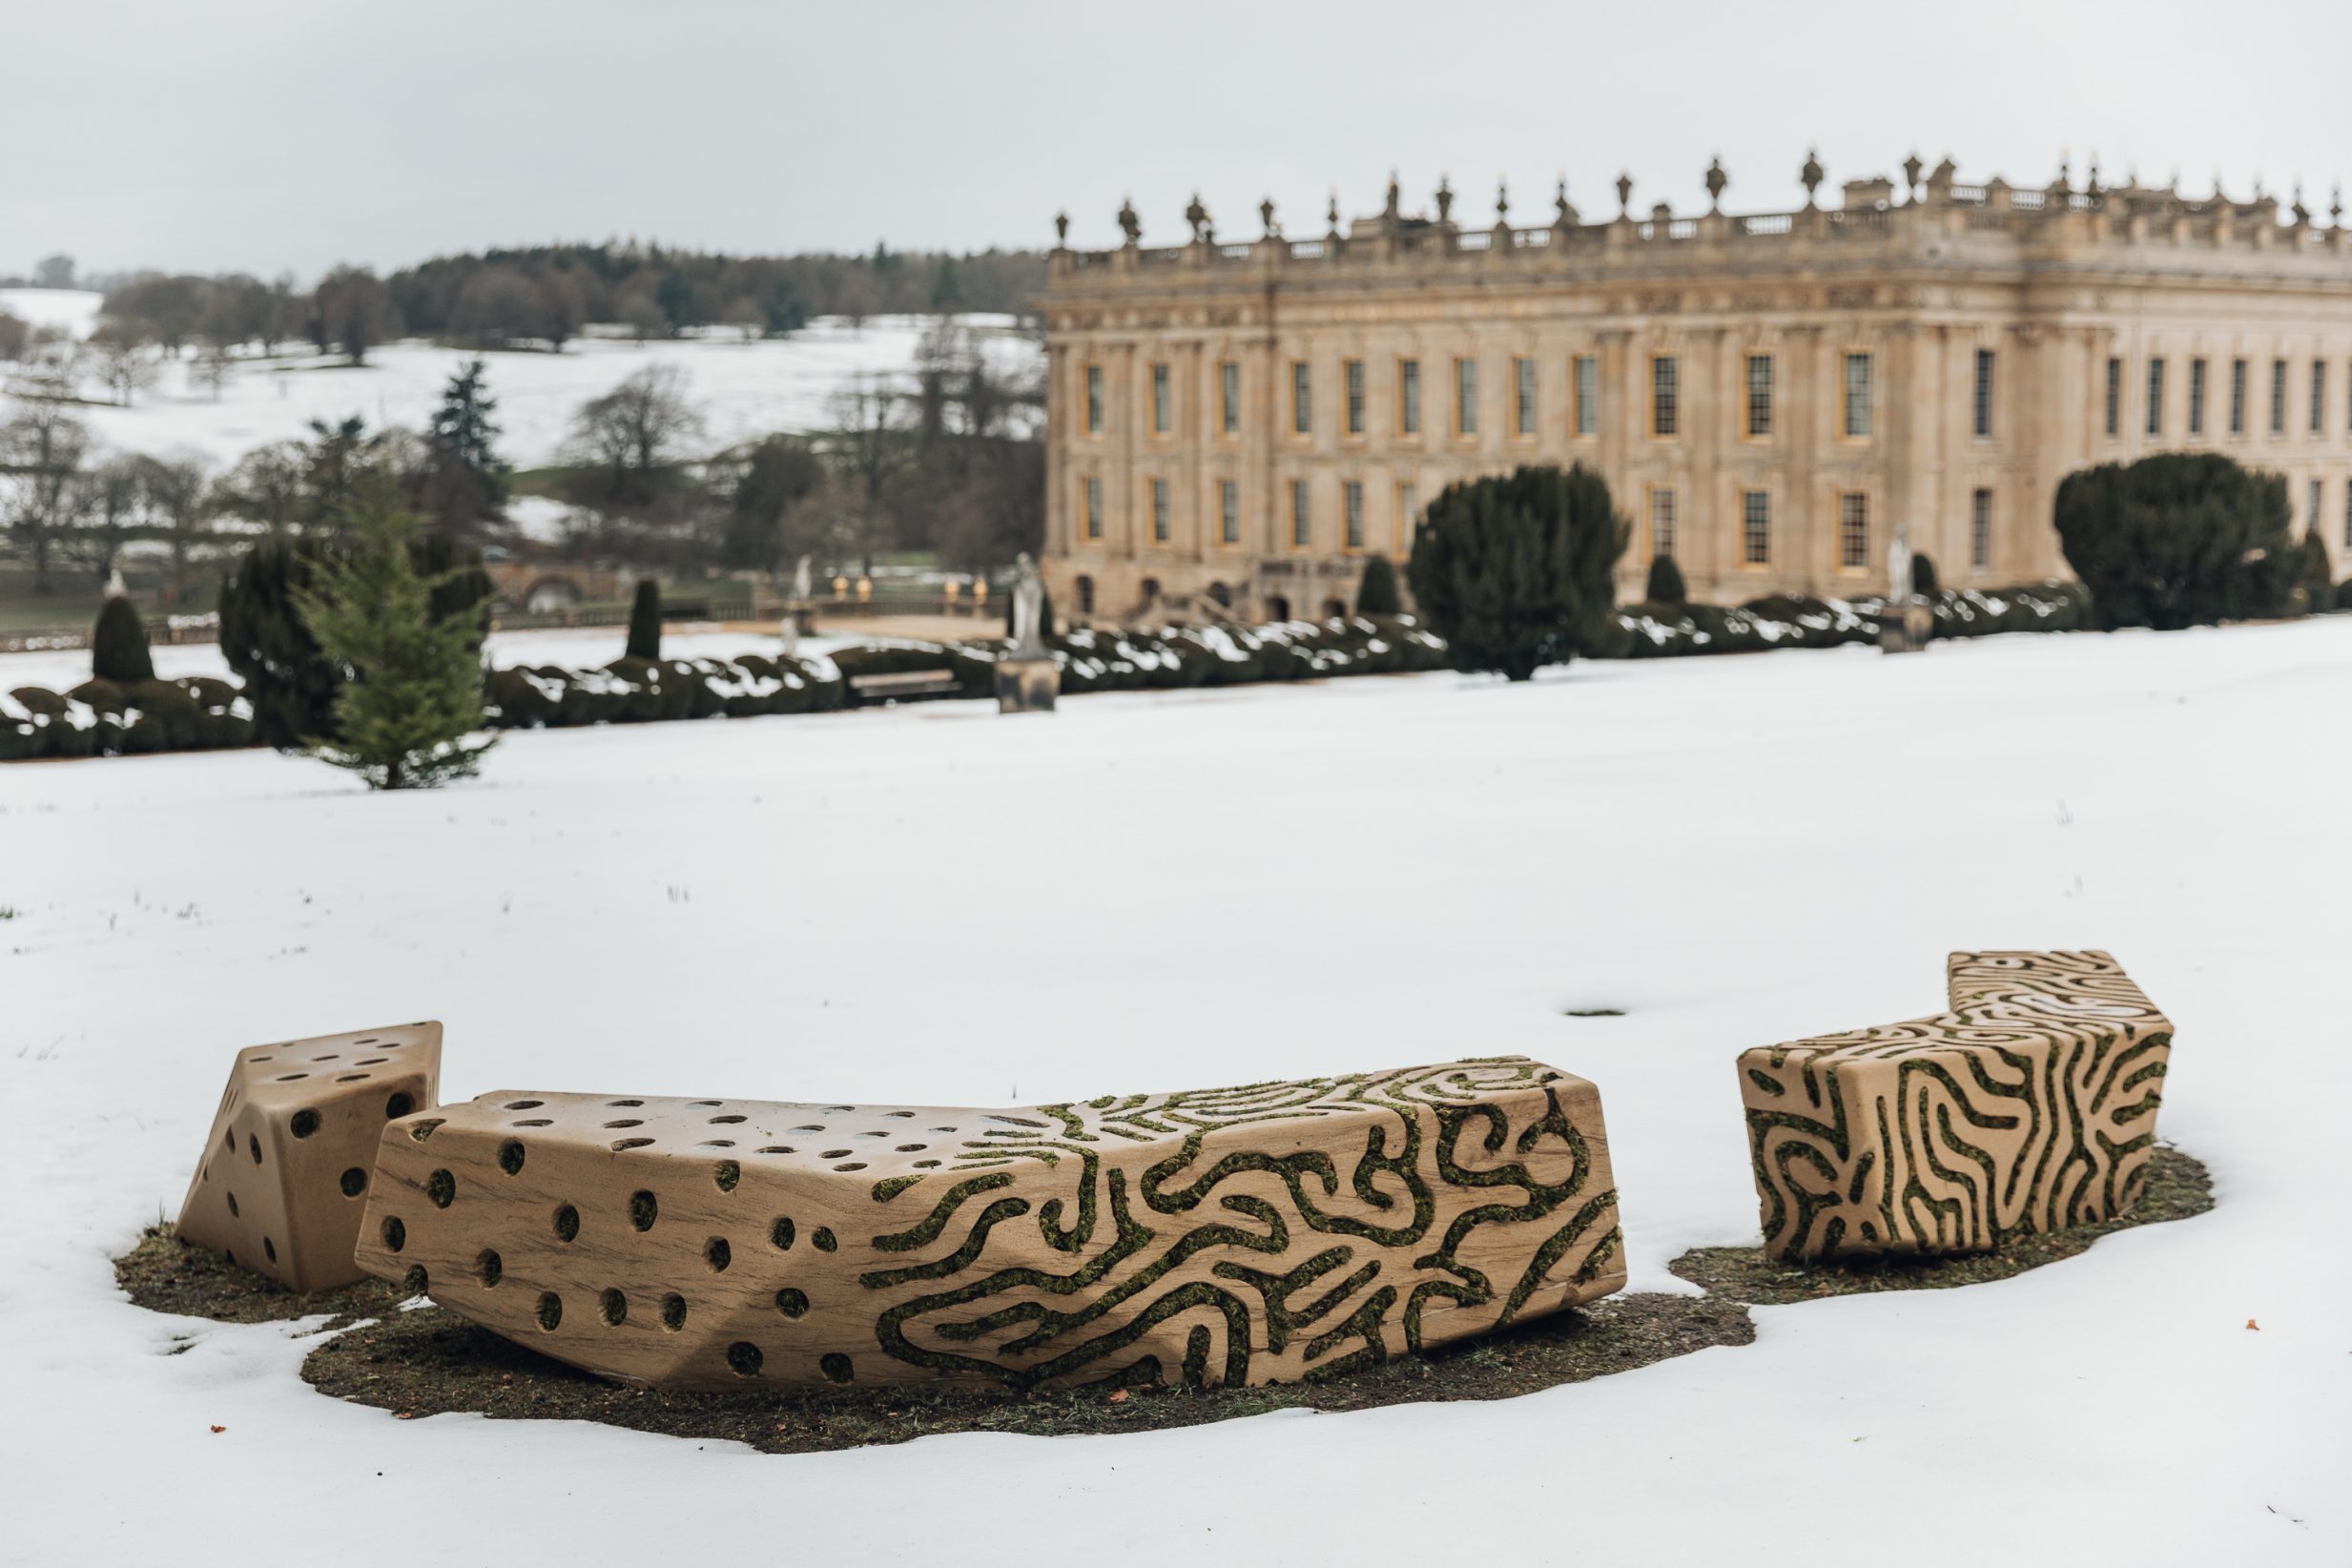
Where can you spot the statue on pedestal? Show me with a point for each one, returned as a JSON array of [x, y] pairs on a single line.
[[1028, 611], [1028, 677]]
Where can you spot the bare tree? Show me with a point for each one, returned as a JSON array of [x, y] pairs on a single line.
[[870, 448], [119, 355], [43, 448], [108, 509], [16, 337], [353, 312], [214, 365], [639, 428], [267, 486]]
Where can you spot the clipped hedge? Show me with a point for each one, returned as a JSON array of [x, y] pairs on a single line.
[[1287, 650], [648, 691], [1656, 631], [101, 718]]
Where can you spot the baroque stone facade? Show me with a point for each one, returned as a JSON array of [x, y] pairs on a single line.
[[1773, 398]]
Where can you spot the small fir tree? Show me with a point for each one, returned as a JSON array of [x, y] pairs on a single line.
[[118, 646], [464, 481], [1517, 570], [1923, 575], [412, 689], [644, 622], [1665, 584], [1376, 594]]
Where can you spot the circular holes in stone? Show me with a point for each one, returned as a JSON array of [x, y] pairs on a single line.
[[774, 1148], [551, 1311], [716, 1143], [424, 1130], [395, 1233], [624, 1101], [716, 1254], [233, 1214], [534, 1121], [832, 1109], [780, 1236], [838, 1154], [743, 1358], [441, 1188], [628, 1122], [622, 1146], [567, 1223], [851, 1165], [304, 1123], [613, 1307], [371, 1061], [510, 1156], [725, 1121], [489, 1267], [913, 1149], [270, 1248], [673, 1312], [643, 1209], [822, 1240], [254, 1143], [398, 1106], [836, 1366], [354, 1182], [792, 1303], [713, 1103], [288, 1078], [524, 1105], [942, 1129], [415, 1282], [814, 1126], [907, 1114], [353, 1078], [926, 1165], [228, 1138], [726, 1174]]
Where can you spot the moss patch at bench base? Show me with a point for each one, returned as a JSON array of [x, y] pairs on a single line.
[[427, 1361]]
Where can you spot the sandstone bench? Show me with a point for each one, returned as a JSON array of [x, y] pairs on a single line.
[[285, 1170], [1269, 1233], [905, 683], [2030, 1106]]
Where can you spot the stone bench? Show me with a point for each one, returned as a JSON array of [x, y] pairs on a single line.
[[285, 1170], [2030, 1106], [1269, 1233], [896, 685]]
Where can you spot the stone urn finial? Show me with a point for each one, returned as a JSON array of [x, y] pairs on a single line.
[[1393, 205], [1624, 194], [1445, 200], [1716, 179], [2302, 214], [1910, 173], [1331, 214], [2335, 207], [1560, 202], [1062, 230], [2091, 177], [1197, 215], [1810, 176], [1502, 200], [1129, 224], [1266, 217]]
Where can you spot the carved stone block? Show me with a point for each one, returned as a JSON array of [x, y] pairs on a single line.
[[284, 1175], [2030, 1106], [1269, 1233], [1027, 686]]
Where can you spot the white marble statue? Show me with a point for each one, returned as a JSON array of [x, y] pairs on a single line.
[[1028, 609]]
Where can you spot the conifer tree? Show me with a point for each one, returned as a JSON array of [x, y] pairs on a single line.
[[1517, 570], [2318, 585], [1665, 584], [2179, 539], [464, 481], [644, 622], [1376, 594], [118, 646], [412, 687], [1923, 575]]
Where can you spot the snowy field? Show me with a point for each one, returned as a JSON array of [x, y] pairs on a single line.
[[1146, 892], [743, 389]]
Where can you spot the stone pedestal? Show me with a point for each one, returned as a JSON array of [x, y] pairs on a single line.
[[1906, 631], [1027, 686]]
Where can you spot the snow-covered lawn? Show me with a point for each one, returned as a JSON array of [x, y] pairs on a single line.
[[935, 904], [743, 389]]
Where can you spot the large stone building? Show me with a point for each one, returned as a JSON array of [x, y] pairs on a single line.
[[1771, 398]]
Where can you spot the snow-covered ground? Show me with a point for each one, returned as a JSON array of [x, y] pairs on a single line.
[[935, 904], [582, 647], [743, 389]]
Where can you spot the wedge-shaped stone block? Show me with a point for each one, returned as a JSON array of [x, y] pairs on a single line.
[[1269, 1233], [2030, 1106], [284, 1176]]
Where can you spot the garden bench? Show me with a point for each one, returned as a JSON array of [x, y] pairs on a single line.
[[1270, 1233], [2029, 1105], [905, 683]]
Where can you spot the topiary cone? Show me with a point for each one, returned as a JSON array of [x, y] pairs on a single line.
[[118, 646]]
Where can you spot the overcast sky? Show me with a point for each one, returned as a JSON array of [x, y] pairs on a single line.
[[263, 135]]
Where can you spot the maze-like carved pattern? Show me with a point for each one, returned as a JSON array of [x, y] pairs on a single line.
[[1270, 1233], [2030, 1106]]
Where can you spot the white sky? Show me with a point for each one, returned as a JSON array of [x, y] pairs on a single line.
[[264, 135]]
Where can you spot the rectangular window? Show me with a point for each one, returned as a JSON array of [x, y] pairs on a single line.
[[2196, 397], [1466, 396], [1094, 400], [1159, 511], [1523, 396], [1755, 528], [1408, 513], [1162, 416], [2278, 396], [1300, 533], [2319, 395], [1853, 530], [1352, 494], [1984, 394], [1588, 395], [1094, 509], [2237, 397], [2156, 395], [2115, 398], [1228, 388], [1302, 399], [1980, 530], [1354, 373], [1666, 395], [1228, 512], [2311, 512], [1858, 391], [1661, 523], [1759, 396], [1407, 397]]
